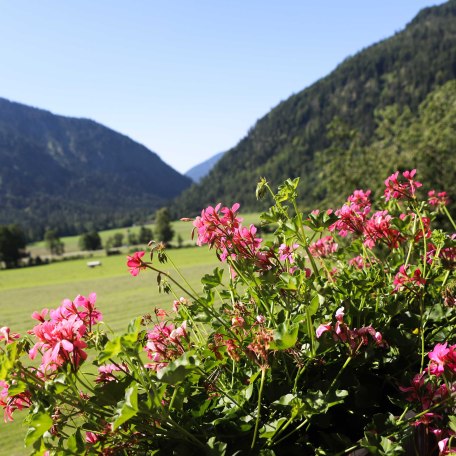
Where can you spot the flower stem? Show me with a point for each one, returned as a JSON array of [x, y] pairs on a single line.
[[260, 395]]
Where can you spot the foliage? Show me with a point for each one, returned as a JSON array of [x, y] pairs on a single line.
[[53, 242], [425, 140], [90, 241], [402, 70], [145, 235], [343, 314], [163, 229], [116, 240], [12, 245]]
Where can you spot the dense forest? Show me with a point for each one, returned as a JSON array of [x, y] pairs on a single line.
[[75, 175], [372, 102]]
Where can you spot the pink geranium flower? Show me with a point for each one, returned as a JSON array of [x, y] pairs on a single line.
[[7, 335], [401, 190], [286, 252], [323, 247], [437, 198], [135, 263], [438, 358], [403, 280]]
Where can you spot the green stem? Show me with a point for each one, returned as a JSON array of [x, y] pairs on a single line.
[[148, 265], [181, 276], [449, 217], [336, 378], [260, 395], [293, 431], [311, 331]]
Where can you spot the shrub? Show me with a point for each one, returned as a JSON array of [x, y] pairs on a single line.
[[336, 335]]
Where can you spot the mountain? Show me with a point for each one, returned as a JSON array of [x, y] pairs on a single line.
[[400, 71], [197, 172], [74, 174]]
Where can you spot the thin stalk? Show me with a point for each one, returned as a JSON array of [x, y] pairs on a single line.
[[260, 396], [181, 276], [310, 330], [410, 244], [449, 217], [148, 265], [293, 431], [336, 378]]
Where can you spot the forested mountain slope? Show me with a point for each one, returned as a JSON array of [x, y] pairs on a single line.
[[71, 174], [400, 71]]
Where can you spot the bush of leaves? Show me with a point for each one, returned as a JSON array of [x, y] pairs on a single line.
[[334, 336]]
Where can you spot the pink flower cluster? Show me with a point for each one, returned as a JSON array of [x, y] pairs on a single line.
[[353, 218], [60, 339], [221, 228], [353, 214], [164, 344], [106, 372], [324, 247], [12, 403], [7, 335], [378, 228], [358, 262], [438, 198], [286, 252], [401, 190], [430, 391], [442, 357], [354, 338], [403, 280], [447, 255]]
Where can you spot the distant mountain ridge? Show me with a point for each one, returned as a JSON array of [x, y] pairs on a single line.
[[401, 70], [197, 172], [71, 174]]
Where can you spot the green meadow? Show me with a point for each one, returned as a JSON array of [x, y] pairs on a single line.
[[120, 297]]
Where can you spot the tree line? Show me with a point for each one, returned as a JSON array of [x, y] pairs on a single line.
[[13, 239]]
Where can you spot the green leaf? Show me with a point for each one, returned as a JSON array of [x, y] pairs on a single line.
[[288, 282], [269, 429], [135, 326], [40, 422], [285, 336], [127, 408], [111, 350], [8, 358], [212, 280], [75, 444], [452, 422], [120, 344], [315, 303], [218, 447], [17, 388], [177, 370]]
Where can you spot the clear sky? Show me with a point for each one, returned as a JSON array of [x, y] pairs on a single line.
[[186, 78]]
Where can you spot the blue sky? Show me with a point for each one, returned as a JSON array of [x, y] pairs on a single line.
[[185, 78]]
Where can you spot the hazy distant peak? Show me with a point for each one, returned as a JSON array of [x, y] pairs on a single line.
[[197, 172]]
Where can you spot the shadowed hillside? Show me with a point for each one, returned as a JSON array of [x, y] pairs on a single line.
[[71, 174]]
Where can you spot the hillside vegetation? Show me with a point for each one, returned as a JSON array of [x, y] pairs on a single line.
[[75, 174], [306, 135]]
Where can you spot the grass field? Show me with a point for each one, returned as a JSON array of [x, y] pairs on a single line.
[[120, 297]]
